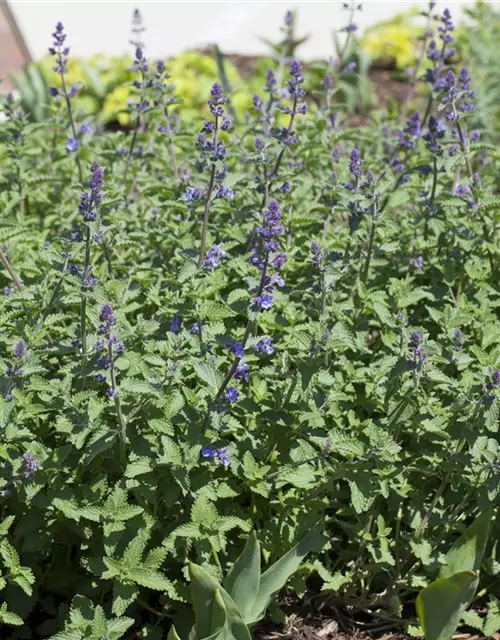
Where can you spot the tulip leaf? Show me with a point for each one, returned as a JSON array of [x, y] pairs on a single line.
[[242, 581], [467, 552], [278, 574], [441, 604]]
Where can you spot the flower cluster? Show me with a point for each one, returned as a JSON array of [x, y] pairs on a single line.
[[20, 355], [458, 340], [58, 50], [110, 348], [407, 139], [217, 454], [137, 29], [436, 132], [286, 135], [353, 6], [215, 254], [30, 466], [492, 385], [457, 92], [269, 233], [87, 207], [419, 355], [141, 66], [264, 346], [89, 200], [213, 149], [440, 55], [318, 257]]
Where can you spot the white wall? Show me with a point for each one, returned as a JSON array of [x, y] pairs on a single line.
[[104, 25]]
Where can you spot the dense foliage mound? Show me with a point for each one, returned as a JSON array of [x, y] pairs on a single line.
[[272, 323]]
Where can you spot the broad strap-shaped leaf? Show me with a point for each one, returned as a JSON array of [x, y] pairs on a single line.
[[172, 634], [219, 617], [242, 581], [203, 592], [277, 576], [441, 604], [467, 552]]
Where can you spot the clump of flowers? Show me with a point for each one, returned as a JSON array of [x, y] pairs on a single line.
[[269, 233], [110, 347], [217, 454]]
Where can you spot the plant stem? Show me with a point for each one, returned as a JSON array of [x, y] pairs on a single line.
[[53, 297], [171, 146], [232, 369], [463, 146], [12, 273], [118, 407], [206, 214], [432, 198], [72, 124], [413, 81], [83, 304], [131, 149], [366, 269]]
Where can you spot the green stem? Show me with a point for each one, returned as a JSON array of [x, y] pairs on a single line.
[[12, 273], [83, 305], [371, 241], [206, 214], [72, 124], [118, 407]]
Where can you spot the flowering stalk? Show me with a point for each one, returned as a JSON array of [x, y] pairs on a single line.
[[269, 232], [61, 67], [413, 81], [107, 317], [15, 127], [54, 295], [216, 151], [160, 87], [140, 65], [88, 203], [339, 67], [439, 57], [286, 47]]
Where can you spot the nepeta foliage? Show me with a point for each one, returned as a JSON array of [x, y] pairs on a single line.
[[277, 322]]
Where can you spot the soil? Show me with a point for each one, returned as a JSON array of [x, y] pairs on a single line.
[[305, 623]]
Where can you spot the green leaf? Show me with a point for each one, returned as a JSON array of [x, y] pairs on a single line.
[[7, 617], [467, 552], [242, 581], [172, 634], [441, 604], [208, 374], [276, 576], [203, 590]]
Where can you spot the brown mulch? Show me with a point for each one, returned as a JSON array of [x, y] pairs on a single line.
[[305, 623]]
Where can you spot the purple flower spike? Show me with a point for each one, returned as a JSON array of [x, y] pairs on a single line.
[[30, 466], [107, 318], [20, 350]]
